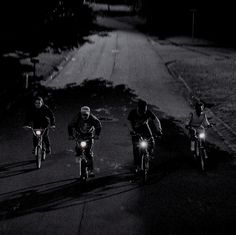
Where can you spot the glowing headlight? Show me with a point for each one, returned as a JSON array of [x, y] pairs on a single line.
[[143, 144], [38, 132], [202, 135], [83, 144]]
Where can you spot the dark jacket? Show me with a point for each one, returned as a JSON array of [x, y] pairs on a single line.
[[40, 118], [140, 123], [87, 127]]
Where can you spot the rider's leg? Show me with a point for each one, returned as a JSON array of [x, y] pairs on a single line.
[[192, 133], [90, 157], [204, 149], [78, 151], [135, 142], [46, 141], [151, 147], [35, 141]]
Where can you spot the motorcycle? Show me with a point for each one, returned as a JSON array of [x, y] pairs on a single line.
[[199, 152], [144, 156], [40, 151], [82, 144]]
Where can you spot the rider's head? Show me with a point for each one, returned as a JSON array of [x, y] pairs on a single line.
[[85, 112], [199, 106], [142, 107], [38, 102]]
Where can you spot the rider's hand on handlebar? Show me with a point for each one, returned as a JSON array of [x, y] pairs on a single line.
[[27, 127]]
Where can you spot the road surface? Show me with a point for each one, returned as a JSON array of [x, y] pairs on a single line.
[[177, 200]]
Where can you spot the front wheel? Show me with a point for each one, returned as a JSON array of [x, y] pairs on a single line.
[[39, 157], [202, 159], [84, 170], [145, 167], [43, 154]]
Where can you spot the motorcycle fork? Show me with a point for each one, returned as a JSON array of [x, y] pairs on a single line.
[[197, 147], [144, 156], [40, 145], [201, 146], [82, 160]]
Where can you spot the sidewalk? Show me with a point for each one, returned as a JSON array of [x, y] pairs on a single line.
[[48, 66], [208, 73], [187, 41]]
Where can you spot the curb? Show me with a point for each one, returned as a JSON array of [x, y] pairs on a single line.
[[221, 126], [47, 79], [60, 67]]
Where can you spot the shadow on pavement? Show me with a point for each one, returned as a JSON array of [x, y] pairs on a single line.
[[172, 156], [14, 169], [61, 194]]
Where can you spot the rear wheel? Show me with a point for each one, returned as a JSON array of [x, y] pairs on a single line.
[[39, 157]]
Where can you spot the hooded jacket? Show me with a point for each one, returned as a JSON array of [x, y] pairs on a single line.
[[40, 118]]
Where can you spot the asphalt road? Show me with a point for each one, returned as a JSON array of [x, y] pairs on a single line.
[[178, 198]]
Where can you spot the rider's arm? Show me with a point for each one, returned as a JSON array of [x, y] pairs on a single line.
[[156, 122], [206, 122], [51, 116], [131, 127], [188, 121], [97, 126]]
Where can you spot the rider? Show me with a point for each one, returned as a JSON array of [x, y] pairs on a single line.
[[197, 121], [40, 116], [87, 126], [139, 119]]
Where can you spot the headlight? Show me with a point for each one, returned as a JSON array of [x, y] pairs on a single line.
[[202, 135], [143, 144], [38, 132], [83, 144]]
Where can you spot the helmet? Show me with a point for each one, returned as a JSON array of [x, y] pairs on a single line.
[[85, 109]]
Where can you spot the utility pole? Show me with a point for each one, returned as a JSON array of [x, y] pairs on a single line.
[[34, 61], [193, 23], [26, 75]]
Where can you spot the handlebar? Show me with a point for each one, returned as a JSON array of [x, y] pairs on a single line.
[[194, 128], [30, 127], [81, 138], [133, 133], [27, 127]]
